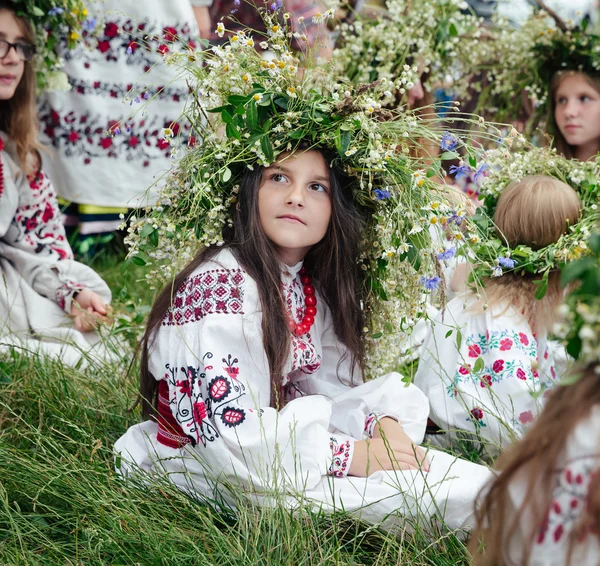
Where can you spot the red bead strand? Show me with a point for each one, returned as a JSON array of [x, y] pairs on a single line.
[[310, 300]]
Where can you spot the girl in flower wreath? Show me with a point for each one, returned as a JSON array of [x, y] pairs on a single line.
[[485, 364], [544, 506], [251, 366], [575, 114], [48, 302]]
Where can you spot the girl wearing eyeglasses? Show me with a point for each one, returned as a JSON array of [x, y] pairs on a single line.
[[49, 303]]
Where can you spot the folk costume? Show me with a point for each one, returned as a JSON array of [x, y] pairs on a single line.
[[578, 466], [493, 400], [93, 130], [39, 275], [216, 425], [484, 370]]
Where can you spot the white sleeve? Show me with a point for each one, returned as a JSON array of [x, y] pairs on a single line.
[[33, 239], [201, 3], [479, 372], [358, 405], [210, 351]]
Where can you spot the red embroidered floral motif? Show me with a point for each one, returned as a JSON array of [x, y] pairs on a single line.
[[498, 366], [486, 380], [506, 344], [521, 374], [526, 417], [341, 457], [464, 370], [218, 388], [474, 351], [232, 417]]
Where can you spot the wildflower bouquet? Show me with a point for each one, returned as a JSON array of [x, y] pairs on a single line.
[[53, 20], [247, 112], [414, 37], [493, 256], [514, 62]]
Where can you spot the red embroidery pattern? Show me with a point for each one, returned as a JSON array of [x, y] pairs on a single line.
[[569, 501], [341, 453], [92, 136], [66, 290], [215, 291]]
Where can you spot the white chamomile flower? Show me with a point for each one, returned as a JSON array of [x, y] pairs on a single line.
[[220, 29]]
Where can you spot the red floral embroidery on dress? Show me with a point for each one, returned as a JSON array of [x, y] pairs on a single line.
[[506, 344], [125, 39], [341, 453], [36, 226], [569, 500], [91, 136], [474, 351], [66, 290], [214, 291], [195, 404]]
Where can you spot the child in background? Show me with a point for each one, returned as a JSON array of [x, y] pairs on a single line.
[[48, 302], [484, 366], [544, 506], [575, 114]]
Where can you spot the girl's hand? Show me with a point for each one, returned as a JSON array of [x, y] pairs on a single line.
[[389, 449], [87, 309]]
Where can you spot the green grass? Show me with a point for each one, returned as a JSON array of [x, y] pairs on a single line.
[[61, 502]]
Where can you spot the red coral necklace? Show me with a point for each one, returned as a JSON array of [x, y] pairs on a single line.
[[310, 300]]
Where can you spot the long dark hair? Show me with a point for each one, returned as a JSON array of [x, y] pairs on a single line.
[[332, 263], [18, 115]]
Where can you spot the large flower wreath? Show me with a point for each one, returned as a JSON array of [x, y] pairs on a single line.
[[247, 111], [493, 257]]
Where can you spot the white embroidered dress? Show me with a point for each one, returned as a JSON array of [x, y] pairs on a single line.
[[214, 387], [100, 154], [38, 273], [483, 372], [579, 464]]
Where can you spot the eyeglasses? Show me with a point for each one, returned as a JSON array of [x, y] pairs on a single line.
[[24, 51]]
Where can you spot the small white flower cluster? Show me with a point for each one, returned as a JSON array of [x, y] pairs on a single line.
[[435, 38]]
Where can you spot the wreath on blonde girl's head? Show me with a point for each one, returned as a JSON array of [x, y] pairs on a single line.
[[248, 110], [491, 256], [54, 21]]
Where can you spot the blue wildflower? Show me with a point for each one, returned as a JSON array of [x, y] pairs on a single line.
[[506, 262], [145, 96], [448, 253], [236, 2], [55, 11], [448, 142], [430, 283], [382, 194], [129, 50], [137, 99], [459, 171], [117, 131], [479, 173], [90, 24]]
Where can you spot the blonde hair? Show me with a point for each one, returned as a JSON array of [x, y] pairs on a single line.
[[18, 115], [559, 142], [535, 212]]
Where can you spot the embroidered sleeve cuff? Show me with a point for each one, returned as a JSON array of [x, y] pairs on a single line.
[[64, 295], [371, 422], [342, 450]]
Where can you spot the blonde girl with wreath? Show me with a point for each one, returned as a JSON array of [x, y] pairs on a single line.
[[49, 303], [485, 364], [543, 507]]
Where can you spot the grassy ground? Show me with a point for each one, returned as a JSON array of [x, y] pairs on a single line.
[[61, 502]]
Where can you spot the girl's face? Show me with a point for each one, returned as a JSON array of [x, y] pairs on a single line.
[[12, 65], [577, 115], [294, 204]]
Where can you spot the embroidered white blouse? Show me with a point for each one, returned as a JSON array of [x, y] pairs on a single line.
[[209, 357], [39, 274], [484, 372], [579, 464]]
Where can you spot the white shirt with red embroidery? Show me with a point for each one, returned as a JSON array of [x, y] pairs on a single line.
[[111, 136], [39, 274], [579, 464], [214, 388], [484, 371]]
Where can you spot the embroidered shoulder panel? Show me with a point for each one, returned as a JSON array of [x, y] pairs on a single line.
[[216, 291]]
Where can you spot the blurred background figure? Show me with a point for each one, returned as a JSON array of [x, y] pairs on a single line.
[[112, 136]]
